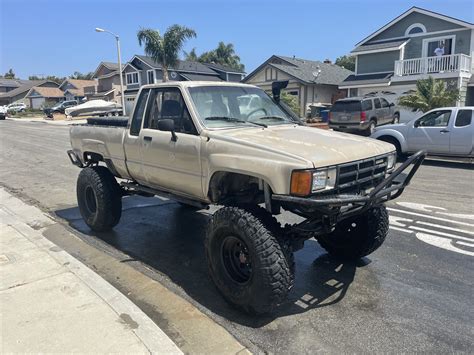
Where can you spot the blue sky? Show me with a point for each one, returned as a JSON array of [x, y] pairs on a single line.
[[54, 37]]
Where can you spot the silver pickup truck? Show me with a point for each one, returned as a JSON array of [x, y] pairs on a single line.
[[198, 143]]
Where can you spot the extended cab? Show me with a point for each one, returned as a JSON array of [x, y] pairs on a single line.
[[201, 143], [445, 131]]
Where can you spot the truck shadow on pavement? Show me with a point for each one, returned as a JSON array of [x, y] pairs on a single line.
[[169, 238]]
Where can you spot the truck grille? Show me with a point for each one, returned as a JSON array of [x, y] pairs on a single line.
[[355, 177]]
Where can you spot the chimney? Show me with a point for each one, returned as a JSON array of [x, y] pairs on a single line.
[[327, 61]]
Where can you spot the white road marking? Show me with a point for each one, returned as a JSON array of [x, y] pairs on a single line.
[[441, 243], [420, 206], [400, 229], [466, 244], [447, 228], [458, 215], [431, 217], [441, 234]]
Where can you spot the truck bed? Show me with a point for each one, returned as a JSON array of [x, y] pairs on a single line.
[[120, 121]]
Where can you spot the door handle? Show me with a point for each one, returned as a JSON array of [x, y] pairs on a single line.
[[147, 138], [444, 131]]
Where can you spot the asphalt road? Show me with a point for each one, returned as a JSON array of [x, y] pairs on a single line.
[[413, 294]]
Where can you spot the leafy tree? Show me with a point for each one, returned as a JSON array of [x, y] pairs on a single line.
[[291, 101], [191, 56], [9, 74], [165, 49], [224, 54], [348, 62], [54, 78], [429, 94], [80, 76]]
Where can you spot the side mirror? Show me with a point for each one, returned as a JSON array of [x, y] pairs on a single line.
[[168, 125], [391, 104], [417, 124]]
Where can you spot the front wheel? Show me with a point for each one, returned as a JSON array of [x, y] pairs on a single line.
[[357, 236], [248, 264], [396, 118], [99, 198]]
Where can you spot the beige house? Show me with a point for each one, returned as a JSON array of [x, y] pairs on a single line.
[[108, 83], [312, 82], [40, 96], [74, 88]]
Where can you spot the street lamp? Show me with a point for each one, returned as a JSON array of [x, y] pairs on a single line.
[[117, 38]]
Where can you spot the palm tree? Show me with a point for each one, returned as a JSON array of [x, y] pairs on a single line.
[[429, 94], [165, 49], [191, 55], [224, 54]]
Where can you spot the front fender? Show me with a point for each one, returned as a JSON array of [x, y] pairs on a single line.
[[394, 134]]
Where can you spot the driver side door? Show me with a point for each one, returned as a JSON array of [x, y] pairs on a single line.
[[171, 164], [430, 132]]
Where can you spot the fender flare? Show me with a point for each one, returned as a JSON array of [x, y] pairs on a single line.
[[394, 134]]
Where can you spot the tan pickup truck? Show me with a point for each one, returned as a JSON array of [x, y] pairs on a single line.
[[233, 145]]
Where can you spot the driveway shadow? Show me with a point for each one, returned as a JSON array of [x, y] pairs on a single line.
[[170, 239]]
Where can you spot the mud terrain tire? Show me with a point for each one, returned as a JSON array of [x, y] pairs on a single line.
[[99, 198], [251, 266], [358, 236]]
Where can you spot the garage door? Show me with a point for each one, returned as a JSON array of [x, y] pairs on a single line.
[[37, 102]]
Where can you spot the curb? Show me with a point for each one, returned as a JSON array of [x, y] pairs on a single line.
[[153, 338]]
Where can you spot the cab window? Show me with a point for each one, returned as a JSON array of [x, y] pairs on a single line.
[[169, 104], [138, 113], [463, 118], [377, 103], [439, 118]]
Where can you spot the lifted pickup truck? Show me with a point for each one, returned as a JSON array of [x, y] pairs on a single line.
[[192, 142]]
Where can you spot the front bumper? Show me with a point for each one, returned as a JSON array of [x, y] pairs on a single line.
[[389, 189]]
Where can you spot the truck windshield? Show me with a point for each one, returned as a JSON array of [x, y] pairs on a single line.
[[232, 106]]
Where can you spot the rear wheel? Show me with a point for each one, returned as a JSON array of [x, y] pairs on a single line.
[[251, 267], [371, 128], [99, 198], [358, 236], [396, 118]]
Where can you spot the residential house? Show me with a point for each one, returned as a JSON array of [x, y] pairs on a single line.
[[40, 96], [417, 44], [108, 83], [311, 82], [74, 88], [13, 90], [142, 70]]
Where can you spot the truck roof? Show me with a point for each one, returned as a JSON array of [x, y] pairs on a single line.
[[187, 84]]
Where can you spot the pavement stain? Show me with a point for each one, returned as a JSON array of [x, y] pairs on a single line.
[[128, 321]]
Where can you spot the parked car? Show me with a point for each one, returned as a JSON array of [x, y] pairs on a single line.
[[209, 153], [446, 131], [60, 107], [16, 107], [361, 114], [3, 112]]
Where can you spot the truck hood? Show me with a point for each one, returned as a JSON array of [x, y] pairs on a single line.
[[318, 146]]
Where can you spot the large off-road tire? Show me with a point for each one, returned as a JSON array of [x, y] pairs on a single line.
[[250, 264], [358, 236], [99, 198]]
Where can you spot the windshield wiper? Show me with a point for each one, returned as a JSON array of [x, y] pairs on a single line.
[[272, 118], [232, 119]]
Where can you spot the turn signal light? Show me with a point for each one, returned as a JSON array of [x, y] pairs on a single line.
[[301, 183]]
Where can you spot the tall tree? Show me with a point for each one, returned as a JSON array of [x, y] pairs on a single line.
[[224, 54], [346, 61], [165, 49], [9, 74], [429, 94], [191, 56], [81, 76]]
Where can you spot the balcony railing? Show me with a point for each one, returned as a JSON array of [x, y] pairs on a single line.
[[430, 65]]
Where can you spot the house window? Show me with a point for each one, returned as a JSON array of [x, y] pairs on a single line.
[[151, 76], [132, 78], [414, 29], [438, 46], [293, 93]]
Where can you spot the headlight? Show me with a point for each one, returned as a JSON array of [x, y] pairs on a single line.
[[391, 160], [305, 182]]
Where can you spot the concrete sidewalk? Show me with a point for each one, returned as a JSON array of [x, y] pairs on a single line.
[[51, 302]]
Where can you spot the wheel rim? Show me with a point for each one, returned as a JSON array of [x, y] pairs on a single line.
[[396, 119], [236, 259], [91, 203], [372, 127]]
